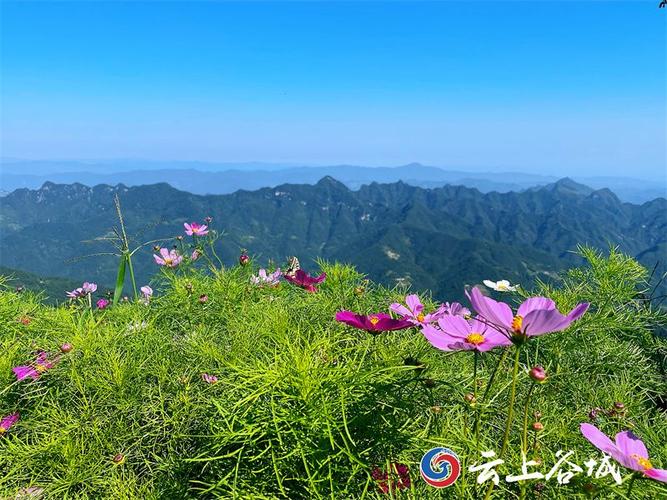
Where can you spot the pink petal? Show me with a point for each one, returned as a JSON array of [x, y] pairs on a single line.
[[455, 326], [629, 444], [414, 304], [657, 474], [599, 440], [539, 322], [400, 309], [438, 338], [495, 312], [535, 304], [578, 311]]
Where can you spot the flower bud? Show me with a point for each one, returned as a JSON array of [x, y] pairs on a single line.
[[359, 290], [208, 219], [593, 414], [470, 398], [538, 374], [179, 238], [66, 347], [118, 458], [619, 406], [537, 414], [538, 426], [203, 298], [25, 320], [436, 409], [244, 260]]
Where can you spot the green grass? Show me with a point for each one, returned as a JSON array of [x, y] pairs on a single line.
[[304, 406]]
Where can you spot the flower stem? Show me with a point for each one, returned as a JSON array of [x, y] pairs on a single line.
[[510, 414], [493, 374], [524, 441], [510, 410], [474, 394]]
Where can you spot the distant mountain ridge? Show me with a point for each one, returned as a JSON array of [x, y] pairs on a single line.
[[205, 178], [439, 239]]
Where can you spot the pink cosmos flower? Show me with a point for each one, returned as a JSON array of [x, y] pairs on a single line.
[[195, 229], [7, 422], [304, 280], [398, 479], [168, 258], [82, 291], [209, 379], [102, 303], [89, 287], [628, 450], [34, 371], [414, 312], [454, 308], [456, 333], [195, 254], [264, 278], [374, 323], [535, 316]]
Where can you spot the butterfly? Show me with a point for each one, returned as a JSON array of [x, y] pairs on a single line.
[[292, 267]]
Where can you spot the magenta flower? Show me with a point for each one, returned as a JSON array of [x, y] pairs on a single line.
[[146, 291], [34, 371], [89, 288], [628, 450], [195, 229], [168, 258], [414, 312], [304, 280], [535, 316], [209, 379], [374, 323], [263, 278], [398, 479], [7, 422], [82, 291], [102, 303], [456, 333]]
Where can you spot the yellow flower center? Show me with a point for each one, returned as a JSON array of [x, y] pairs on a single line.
[[475, 338], [420, 318], [39, 368], [374, 320], [517, 324], [2, 429], [502, 287], [168, 261], [644, 462]]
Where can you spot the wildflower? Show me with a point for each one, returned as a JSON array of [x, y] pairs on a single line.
[[538, 426], [102, 303], [244, 260], [374, 323], [263, 278], [535, 316], [195, 254], [25, 320], [29, 492], [203, 298], [399, 479], [208, 219], [538, 374], [82, 291], [168, 258], [209, 379], [456, 333], [455, 309], [304, 280], [66, 347], [7, 422], [146, 294], [414, 312], [628, 450], [470, 398], [194, 229], [34, 371], [118, 458], [500, 286]]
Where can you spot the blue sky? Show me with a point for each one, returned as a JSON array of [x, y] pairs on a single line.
[[549, 87]]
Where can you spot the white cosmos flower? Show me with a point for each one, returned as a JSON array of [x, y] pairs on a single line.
[[500, 286]]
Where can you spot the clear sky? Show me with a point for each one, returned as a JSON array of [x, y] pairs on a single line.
[[550, 87]]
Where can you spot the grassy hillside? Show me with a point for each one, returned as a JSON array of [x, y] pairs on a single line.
[[305, 407]]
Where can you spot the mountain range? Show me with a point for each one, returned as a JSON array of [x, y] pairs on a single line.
[[225, 178], [439, 239]]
